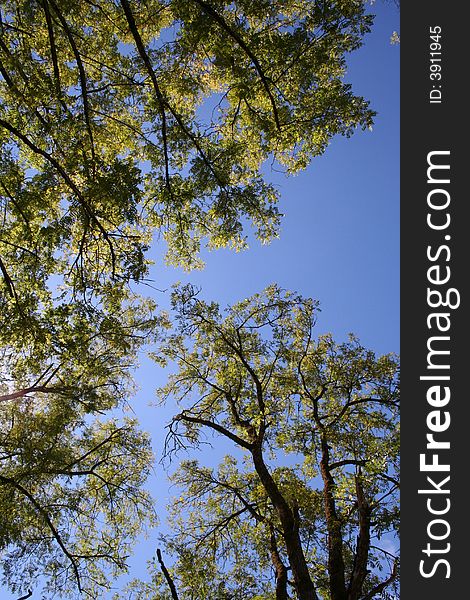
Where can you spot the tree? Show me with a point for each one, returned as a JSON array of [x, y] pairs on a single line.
[[310, 488], [72, 493], [72, 499]]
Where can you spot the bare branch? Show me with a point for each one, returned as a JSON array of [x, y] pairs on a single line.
[[167, 575], [381, 586], [216, 427]]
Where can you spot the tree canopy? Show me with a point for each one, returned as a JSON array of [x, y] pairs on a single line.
[[122, 123], [119, 119], [305, 506], [73, 466]]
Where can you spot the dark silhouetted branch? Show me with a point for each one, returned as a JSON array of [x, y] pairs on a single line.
[[210, 10], [169, 579]]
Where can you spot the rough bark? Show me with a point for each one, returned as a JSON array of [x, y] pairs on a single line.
[[333, 523], [359, 572], [280, 570], [302, 581]]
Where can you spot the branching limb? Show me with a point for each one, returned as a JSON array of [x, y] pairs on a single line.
[[359, 571], [148, 65], [216, 427], [381, 586], [7, 280], [81, 71], [50, 32], [210, 10], [336, 566], [68, 180], [31, 390]]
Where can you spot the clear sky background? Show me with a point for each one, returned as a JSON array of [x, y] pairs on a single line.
[[339, 243]]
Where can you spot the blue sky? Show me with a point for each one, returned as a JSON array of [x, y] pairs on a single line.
[[339, 241]]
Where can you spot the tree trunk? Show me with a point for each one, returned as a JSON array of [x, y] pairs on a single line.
[[302, 581], [280, 570], [359, 572], [335, 538]]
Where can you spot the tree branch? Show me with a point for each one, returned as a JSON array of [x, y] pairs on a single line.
[[216, 427], [249, 507], [81, 72], [167, 575], [302, 581], [50, 31], [148, 65], [7, 280], [279, 568], [342, 463], [31, 390], [336, 567], [49, 523], [359, 401], [68, 180], [234, 35], [359, 571], [243, 423], [95, 448], [163, 104], [381, 586]]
